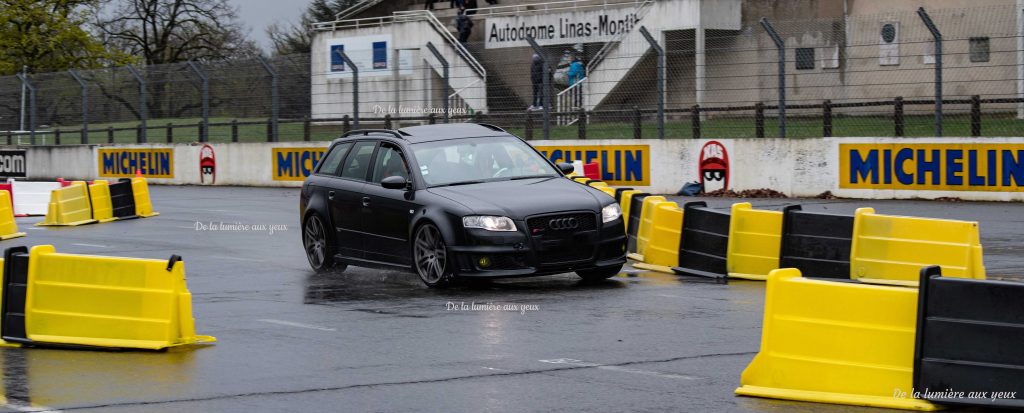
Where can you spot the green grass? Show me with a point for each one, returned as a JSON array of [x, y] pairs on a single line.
[[186, 129]]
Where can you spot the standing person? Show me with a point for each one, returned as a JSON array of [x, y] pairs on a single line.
[[537, 78], [471, 6], [463, 25], [430, 5], [457, 4], [576, 74]]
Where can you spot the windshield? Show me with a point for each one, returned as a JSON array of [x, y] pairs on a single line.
[[473, 160]]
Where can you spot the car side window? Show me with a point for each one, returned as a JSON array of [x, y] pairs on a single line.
[[357, 163], [329, 164], [389, 162]]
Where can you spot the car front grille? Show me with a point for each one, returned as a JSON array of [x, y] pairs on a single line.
[[574, 222], [563, 238]]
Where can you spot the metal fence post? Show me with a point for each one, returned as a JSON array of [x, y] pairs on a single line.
[[431, 118], [695, 121], [306, 129], [447, 80], [346, 126], [204, 129], [170, 132], [274, 106], [85, 105], [270, 130], [529, 125], [897, 115], [781, 45], [234, 130], [110, 134], [547, 85], [826, 118], [661, 79], [637, 125], [975, 115], [387, 121], [581, 123], [759, 120], [56, 136], [355, 87], [938, 67], [31, 106], [143, 112]]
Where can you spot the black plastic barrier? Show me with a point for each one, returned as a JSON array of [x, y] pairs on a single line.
[[618, 193], [15, 289], [122, 199], [816, 244], [703, 242], [636, 205], [969, 341]]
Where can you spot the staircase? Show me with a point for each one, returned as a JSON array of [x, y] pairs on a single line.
[[616, 60]]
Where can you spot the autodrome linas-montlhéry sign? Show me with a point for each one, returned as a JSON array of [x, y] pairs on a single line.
[[123, 163], [992, 167], [559, 28]]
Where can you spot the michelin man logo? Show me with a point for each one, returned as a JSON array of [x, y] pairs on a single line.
[[207, 164], [714, 167]]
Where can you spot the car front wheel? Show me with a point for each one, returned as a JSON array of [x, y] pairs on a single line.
[[430, 257], [599, 273]]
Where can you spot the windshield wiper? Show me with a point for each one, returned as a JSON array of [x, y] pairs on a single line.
[[458, 183], [531, 177]]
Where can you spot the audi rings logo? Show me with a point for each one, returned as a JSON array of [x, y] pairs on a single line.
[[558, 224]]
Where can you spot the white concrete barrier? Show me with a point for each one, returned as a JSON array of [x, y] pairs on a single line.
[[879, 168], [32, 198]]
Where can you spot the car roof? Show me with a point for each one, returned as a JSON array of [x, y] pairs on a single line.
[[429, 133]]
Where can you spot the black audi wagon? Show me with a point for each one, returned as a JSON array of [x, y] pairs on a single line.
[[455, 200]]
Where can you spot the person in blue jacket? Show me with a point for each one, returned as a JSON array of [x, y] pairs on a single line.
[[576, 74]]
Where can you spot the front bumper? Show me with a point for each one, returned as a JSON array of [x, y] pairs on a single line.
[[490, 254]]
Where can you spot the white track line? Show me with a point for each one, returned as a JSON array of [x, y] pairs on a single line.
[[92, 245], [581, 363], [22, 407], [299, 325]]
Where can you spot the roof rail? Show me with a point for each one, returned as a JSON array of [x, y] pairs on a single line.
[[367, 132], [492, 127]]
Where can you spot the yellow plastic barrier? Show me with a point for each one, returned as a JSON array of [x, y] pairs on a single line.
[[580, 179], [891, 249], [607, 189], [755, 238], [625, 199], [835, 342], [140, 190], [643, 234], [102, 206], [8, 226], [108, 301], [599, 184], [69, 205], [662, 252]]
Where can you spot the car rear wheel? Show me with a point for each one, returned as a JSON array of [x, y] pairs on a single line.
[[318, 248], [430, 257], [599, 274]]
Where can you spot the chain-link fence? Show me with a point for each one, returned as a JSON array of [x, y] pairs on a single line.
[[874, 75]]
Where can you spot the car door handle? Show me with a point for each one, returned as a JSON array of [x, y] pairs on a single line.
[[330, 196], [366, 201]]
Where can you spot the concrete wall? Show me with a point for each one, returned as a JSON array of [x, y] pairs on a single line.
[[796, 167]]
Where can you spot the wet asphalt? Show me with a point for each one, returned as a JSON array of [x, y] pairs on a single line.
[[370, 340]]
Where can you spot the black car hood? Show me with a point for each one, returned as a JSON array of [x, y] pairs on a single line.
[[522, 198]]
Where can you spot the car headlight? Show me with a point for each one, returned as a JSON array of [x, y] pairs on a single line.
[[490, 223], [611, 212]]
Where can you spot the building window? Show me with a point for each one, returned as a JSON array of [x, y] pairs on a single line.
[[979, 49], [805, 58]]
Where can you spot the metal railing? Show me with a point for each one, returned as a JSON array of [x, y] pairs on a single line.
[[568, 100], [641, 11], [550, 7], [356, 9]]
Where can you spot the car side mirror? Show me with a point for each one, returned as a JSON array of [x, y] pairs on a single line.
[[395, 182], [565, 167]]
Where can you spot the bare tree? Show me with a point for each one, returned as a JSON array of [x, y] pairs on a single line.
[[296, 37], [165, 32], [169, 31]]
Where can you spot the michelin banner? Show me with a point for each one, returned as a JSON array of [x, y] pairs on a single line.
[[992, 167]]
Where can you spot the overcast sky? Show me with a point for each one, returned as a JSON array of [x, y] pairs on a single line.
[[258, 14]]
